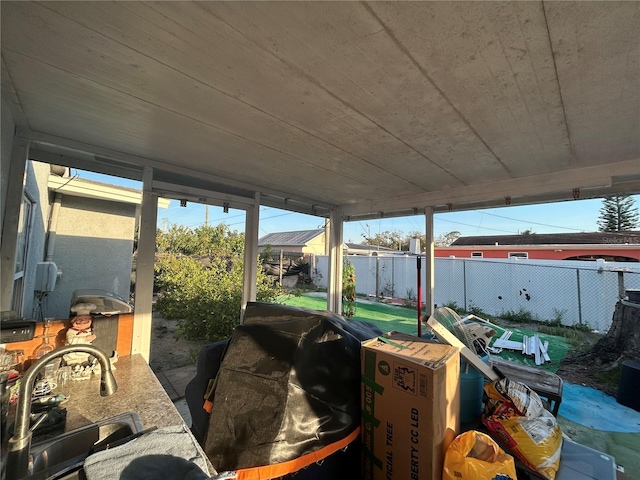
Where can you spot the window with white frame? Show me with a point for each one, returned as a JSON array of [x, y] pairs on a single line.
[[22, 249], [476, 254], [518, 255]]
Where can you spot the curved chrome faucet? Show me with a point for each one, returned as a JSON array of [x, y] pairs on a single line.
[[20, 443]]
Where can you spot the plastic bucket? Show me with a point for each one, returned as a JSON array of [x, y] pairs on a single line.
[[471, 391]]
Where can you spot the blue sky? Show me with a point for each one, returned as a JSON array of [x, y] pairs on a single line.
[[561, 217]]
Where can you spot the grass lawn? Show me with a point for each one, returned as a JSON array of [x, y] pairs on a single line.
[[385, 317], [401, 319]]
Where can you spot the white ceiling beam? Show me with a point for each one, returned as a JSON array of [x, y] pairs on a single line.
[[87, 162], [202, 196], [121, 157], [598, 178]]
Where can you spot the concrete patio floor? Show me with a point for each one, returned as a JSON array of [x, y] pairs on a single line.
[[174, 383]]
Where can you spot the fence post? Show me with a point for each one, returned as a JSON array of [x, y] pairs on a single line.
[[377, 276], [393, 277], [464, 282], [281, 256], [620, 284], [579, 297]]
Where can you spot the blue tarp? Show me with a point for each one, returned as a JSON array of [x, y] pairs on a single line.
[[595, 409]]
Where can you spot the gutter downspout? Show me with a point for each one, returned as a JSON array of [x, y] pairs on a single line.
[[53, 226]]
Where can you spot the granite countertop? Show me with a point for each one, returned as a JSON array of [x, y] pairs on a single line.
[[138, 391]]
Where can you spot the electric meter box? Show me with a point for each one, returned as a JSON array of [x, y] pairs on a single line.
[[46, 276]]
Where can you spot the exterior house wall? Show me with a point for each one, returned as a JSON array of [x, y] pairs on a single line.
[[35, 187], [285, 248], [542, 252], [93, 249], [36, 190], [315, 246]]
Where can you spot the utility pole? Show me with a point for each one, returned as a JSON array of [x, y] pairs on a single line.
[[206, 215]]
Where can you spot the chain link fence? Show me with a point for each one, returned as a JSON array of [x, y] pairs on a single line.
[[569, 292]]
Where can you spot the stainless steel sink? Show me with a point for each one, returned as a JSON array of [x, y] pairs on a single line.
[[62, 456]]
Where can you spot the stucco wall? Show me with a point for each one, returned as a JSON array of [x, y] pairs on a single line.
[[315, 246], [93, 248], [35, 188]]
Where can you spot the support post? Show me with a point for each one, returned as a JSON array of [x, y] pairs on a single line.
[[429, 262], [419, 285], [11, 219], [143, 314], [250, 274], [334, 284]]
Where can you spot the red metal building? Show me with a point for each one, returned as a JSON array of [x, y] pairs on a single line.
[[610, 246]]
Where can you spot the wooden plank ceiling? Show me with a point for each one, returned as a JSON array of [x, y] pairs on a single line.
[[375, 107]]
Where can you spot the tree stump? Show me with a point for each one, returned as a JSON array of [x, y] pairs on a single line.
[[622, 341], [602, 361]]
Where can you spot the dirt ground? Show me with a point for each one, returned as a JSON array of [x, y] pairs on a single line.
[[168, 353]]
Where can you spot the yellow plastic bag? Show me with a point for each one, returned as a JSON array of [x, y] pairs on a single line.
[[516, 417], [475, 456]]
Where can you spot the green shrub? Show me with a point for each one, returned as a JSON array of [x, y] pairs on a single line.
[[475, 310], [348, 289], [206, 300], [521, 315], [455, 307]]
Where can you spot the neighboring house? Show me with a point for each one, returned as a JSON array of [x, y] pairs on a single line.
[[610, 246], [304, 242], [371, 250], [73, 234]]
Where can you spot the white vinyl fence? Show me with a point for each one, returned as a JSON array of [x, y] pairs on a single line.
[[570, 291]]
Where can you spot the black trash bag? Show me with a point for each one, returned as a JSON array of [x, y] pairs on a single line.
[[288, 388]]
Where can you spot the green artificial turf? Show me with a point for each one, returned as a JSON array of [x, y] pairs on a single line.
[[401, 319], [558, 349], [624, 447], [385, 317]]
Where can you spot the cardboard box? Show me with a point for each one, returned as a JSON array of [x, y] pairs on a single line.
[[410, 406]]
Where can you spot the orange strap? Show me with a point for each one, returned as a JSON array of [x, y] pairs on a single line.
[[208, 406], [280, 469]]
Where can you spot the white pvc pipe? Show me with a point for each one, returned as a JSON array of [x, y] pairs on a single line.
[[53, 226]]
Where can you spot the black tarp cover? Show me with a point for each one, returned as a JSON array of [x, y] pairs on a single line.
[[289, 385]]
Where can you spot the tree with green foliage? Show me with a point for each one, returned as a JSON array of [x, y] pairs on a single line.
[[348, 289], [266, 255], [618, 214], [204, 240], [205, 297], [397, 240], [446, 239], [388, 239]]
